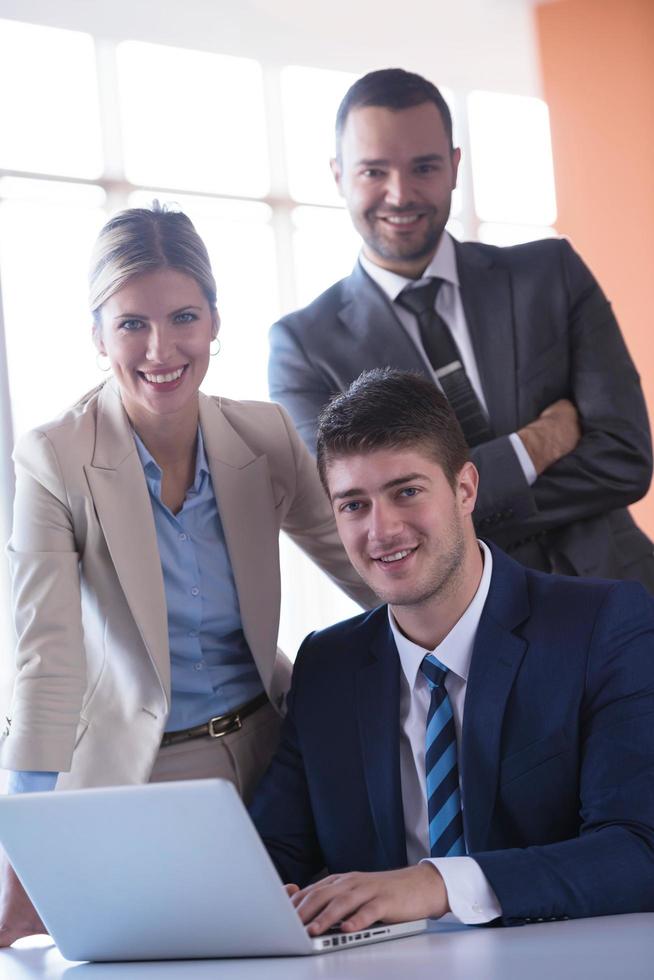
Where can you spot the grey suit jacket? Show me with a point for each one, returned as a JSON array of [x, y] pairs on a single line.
[[541, 330]]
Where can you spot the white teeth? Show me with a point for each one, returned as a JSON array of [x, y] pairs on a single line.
[[158, 379], [397, 219], [396, 556]]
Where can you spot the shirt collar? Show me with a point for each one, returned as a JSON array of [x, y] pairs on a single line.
[[153, 472], [442, 266], [455, 650]]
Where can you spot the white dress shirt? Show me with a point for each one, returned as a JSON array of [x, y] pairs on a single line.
[[449, 306], [471, 898]]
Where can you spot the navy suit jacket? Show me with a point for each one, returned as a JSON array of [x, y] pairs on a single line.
[[557, 749]]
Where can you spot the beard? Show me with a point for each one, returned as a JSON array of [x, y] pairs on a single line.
[[439, 578], [421, 245]]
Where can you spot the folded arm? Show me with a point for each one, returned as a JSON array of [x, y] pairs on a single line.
[[282, 811], [594, 457], [610, 465]]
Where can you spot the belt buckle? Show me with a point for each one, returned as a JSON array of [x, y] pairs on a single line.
[[233, 725]]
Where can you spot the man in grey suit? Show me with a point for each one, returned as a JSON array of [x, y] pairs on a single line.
[[521, 339]]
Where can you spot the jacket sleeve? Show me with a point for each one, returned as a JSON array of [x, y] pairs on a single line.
[[50, 660], [281, 810], [504, 496], [609, 867], [611, 466], [295, 382], [310, 522]]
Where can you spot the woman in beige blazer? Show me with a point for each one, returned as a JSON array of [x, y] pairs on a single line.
[[93, 692]]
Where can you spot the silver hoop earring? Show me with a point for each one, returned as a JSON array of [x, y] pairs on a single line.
[[212, 353], [103, 362]]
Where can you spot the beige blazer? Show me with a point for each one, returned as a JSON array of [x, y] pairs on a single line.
[[93, 688]]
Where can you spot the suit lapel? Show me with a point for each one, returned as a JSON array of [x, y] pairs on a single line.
[[497, 655], [368, 313], [124, 509], [486, 296], [242, 485], [378, 702], [487, 303]]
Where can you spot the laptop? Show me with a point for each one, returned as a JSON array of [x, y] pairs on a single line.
[[159, 871]]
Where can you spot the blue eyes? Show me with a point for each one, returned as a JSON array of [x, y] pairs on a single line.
[[130, 326], [353, 506]]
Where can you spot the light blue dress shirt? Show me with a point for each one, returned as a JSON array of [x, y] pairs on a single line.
[[212, 670]]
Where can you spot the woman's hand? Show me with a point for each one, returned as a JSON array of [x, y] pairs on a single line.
[[18, 917]]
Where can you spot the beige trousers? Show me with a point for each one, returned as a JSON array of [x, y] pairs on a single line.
[[241, 757]]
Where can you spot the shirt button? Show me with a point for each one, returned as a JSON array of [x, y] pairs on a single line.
[[193, 633], [198, 666], [195, 590], [182, 537]]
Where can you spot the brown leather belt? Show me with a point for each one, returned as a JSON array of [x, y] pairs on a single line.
[[219, 726]]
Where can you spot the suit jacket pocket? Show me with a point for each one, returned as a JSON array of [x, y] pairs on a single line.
[[533, 755]]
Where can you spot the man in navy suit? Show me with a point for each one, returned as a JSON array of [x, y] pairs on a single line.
[[483, 743]]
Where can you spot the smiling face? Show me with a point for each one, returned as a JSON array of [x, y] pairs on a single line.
[[156, 332], [406, 530], [396, 171]]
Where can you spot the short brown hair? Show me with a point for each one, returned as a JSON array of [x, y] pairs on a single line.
[[391, 88], [387, 409]]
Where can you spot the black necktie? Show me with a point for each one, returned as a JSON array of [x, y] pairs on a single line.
[[445, 359]]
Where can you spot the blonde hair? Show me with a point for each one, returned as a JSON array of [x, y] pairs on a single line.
[[140, 240]]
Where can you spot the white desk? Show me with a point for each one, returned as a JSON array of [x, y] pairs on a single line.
[[617, 947]]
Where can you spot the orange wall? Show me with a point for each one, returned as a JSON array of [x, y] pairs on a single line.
[[597, 60]]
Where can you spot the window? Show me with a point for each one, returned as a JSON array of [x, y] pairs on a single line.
[[192, 120], [46, 234], [325, 247], [51, 128], [310, 98], [512, 168], [244, 149]]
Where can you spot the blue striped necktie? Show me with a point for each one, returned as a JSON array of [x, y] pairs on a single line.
[[441, 770]]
